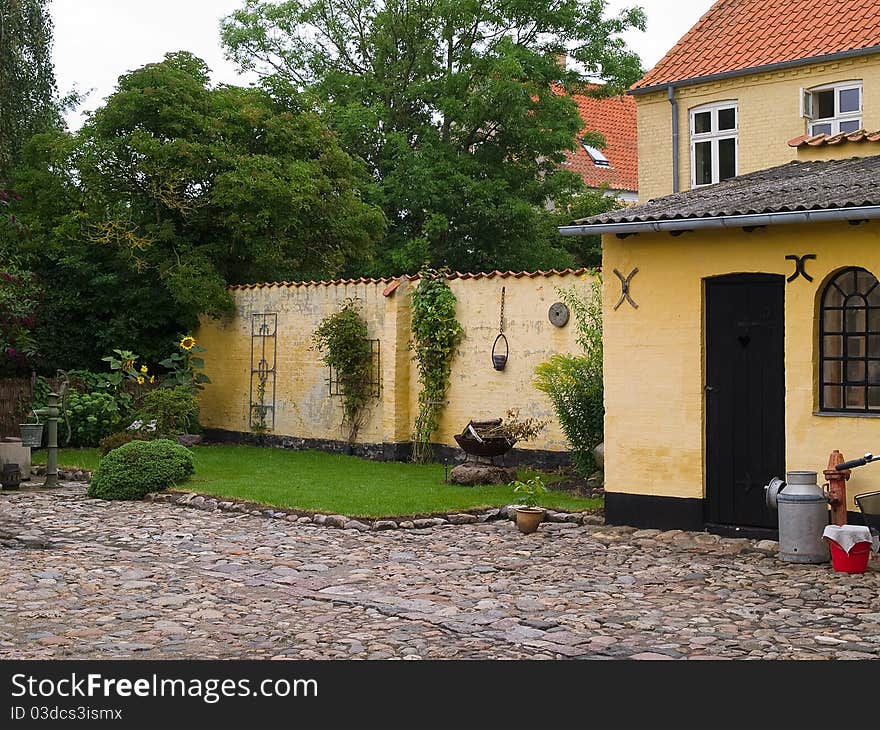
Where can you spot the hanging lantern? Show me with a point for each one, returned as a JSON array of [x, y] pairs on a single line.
[[501, 348]]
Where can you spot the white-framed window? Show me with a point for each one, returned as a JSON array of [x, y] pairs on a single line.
[[714, 145], [833, 108], [597, 157]]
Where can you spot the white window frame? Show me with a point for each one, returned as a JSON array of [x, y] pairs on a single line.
[[713, 136], [808, 106]]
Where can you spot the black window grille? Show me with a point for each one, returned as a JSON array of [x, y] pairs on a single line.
[[849, 343], [374, 374]]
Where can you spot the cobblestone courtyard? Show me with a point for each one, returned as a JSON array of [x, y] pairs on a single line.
[[87, 579]]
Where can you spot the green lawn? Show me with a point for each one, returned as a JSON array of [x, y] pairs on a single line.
[[330, 483]]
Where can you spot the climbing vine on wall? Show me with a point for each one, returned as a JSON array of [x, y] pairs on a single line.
[[436, 336], [342, 338]]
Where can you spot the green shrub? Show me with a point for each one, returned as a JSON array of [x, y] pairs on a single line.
[[120, 438], [140, 467], [93, 416], [175, 410]]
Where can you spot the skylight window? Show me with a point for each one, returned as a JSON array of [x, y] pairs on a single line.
[[599, 160]]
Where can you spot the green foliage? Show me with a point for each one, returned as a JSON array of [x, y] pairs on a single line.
[[120, 438], [455, 106], [574, 382], [184, 366], [530, 491], [343, 339], [27, 78], [436, 336], [133, 470], [92, 417], [20, 298], [175, 410]]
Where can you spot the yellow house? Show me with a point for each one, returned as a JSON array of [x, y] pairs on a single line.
[[742, 308]]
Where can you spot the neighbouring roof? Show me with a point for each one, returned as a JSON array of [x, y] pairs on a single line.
[[796, 186], [736, 35], [829, 140], [413, 277], [614, 118]]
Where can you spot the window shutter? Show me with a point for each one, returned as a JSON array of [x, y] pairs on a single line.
[[806, 104]]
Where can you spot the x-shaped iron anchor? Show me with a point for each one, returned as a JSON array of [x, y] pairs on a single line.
[[624, 287], [799, 263]]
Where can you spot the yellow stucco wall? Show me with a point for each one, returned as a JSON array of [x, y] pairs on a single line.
[[654, 355], [477, 391], [769, 116]]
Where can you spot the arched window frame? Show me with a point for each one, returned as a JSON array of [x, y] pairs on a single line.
[[849, 343]]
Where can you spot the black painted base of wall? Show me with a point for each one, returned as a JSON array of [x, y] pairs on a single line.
[[385, 452]]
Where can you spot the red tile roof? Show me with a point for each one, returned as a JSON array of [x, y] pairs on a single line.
[[822, 140], [615, 119], [744, 34], [414, 277]]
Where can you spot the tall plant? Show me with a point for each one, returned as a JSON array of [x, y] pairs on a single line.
[[436, 336], [344, 341], [574, 382]]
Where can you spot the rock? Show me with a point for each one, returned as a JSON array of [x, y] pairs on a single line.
[[462, 519], [357, 525], [336, 520], [189, 440], [422, 524], [768, 547], [599, 456], [470, 474], [319, 519], [406, 525], [384, 525]]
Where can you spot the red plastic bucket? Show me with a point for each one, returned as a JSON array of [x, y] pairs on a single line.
[[854, 562]]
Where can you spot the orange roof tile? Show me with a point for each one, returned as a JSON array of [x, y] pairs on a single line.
[[735, 35], [614, 118], [821, 140]]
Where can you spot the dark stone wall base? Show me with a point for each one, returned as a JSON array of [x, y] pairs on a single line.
[[648, 511], [443, 454]]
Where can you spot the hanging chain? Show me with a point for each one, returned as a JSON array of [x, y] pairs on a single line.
[[501, 327]]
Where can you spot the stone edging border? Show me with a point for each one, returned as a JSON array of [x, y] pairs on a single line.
[[211, 504], [64, 475]]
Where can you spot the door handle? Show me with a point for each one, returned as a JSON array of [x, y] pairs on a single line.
[[710, 389]]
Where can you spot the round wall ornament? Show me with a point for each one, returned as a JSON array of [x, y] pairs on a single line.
[[559, 314]]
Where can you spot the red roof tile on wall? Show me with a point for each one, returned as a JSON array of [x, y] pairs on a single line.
[[829, 140], [615, 119], [742, 34]]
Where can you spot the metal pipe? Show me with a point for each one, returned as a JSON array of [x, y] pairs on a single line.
[[868, 212], [670, 94]]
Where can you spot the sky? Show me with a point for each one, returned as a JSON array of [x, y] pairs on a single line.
[[96, 41]]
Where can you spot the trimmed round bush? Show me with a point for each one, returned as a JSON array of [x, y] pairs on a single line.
[[135, 469]]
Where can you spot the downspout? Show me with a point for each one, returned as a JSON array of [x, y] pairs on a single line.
[[670, 94]]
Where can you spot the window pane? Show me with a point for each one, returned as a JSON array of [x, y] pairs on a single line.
[[873, 372], [833, 346], [832, 397], [702, 122], [874, 346], [855, 397], [855, 346], [831, 372], [874, 320], [855, 371], [833, 296], [851, 126], [703, 163], [833, 320], [823, 104], [874, 398], [864, 281], [726, 158], [849, 101], [820, 129], [855, 320], [727, 118]]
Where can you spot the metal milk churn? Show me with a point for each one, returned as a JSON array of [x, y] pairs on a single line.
[[803, 516]]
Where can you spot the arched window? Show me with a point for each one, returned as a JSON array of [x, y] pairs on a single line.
[[849, 341]]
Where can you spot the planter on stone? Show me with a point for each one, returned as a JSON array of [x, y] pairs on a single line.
[[528, 519]]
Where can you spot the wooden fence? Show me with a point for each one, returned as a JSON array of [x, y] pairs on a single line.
[[16, 395]]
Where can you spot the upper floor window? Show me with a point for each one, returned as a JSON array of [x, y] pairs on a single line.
[[834, 108], [849, 342], [596, 156], [713, 143]]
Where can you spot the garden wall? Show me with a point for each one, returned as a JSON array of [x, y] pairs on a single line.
[[307, 412]]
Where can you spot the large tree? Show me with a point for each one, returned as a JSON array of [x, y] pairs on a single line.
[[27, 77], [458, 107], [173, 190]]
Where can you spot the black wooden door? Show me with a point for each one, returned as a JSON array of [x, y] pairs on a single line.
[[745, 396]]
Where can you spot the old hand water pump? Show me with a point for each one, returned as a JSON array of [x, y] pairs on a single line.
[[54, 412]]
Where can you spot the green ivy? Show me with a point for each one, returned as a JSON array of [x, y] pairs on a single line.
[[436, 336], [344, 341]]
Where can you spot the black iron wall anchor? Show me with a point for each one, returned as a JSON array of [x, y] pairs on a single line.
[[799, 264], [624, 288], [499, 357]]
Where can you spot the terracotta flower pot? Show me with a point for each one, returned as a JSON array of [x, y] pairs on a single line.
[[528, 519]]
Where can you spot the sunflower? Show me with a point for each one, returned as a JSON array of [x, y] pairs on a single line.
[[188, 343]]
